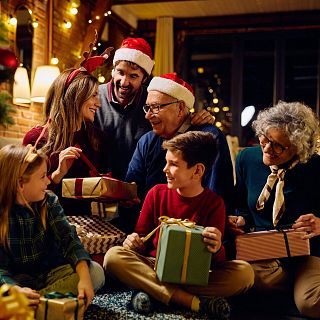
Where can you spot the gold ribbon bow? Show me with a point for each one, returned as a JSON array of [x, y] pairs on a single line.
[[14, 306], [165, 219]]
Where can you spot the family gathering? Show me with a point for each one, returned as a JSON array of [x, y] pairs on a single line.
[[142, 130]]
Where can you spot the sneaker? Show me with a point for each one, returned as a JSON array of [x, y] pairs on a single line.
[[141, 302], [216, 307]]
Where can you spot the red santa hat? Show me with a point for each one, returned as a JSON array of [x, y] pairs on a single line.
[[135, 50], [173, 86]]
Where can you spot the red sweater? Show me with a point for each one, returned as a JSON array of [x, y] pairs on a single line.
[[207, 209], [78, 169]]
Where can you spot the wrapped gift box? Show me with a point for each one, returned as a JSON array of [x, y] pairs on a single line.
[[107, 211], [96, 235], [271, 244], [60, 308], [101, 188], [182, 256]]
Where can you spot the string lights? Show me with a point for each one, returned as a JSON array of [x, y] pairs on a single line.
[[96, 18]]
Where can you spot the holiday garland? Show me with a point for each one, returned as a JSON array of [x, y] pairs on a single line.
[[8, 65]]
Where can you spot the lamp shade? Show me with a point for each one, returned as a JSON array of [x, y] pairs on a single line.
[[43, 79], [247, 114], [21, 86]]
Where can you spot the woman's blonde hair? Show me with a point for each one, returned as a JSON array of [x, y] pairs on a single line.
[[66, 109], [297, 121], [12, 158]]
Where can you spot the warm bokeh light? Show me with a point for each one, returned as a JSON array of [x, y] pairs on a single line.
[[74, 11], [101, 78], [67, 24], [54, 60], [35, 23], [13, 21]]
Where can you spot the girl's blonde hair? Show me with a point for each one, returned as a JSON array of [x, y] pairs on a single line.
[[12, 159], [65, 110]]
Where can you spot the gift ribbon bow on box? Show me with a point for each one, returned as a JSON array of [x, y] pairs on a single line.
[[14, 305], [183, 223], [165, 219], [59, 295]]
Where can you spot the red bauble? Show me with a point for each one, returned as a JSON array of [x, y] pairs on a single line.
[[8, 63]]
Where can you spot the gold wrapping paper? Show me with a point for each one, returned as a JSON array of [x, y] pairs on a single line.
[[60, 309], [99, 188], [14, 304]]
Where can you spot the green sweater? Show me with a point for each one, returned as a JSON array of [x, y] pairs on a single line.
[[301, 191]]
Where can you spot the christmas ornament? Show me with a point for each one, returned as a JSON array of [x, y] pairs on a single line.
[[8, 64]]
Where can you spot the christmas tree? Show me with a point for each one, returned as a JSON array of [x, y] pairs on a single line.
[[8, 65]]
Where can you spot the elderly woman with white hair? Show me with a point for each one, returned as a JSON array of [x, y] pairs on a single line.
[[278, 183]]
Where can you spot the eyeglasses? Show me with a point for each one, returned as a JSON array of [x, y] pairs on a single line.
[[155, 108], [276, 147]]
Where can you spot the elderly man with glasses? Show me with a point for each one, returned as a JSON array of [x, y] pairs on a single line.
[[169, 102]]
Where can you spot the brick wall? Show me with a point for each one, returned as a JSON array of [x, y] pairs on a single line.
[[66, 46]]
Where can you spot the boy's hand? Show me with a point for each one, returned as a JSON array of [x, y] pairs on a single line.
[[235, 224], [212, 238], [202, 117], [32, 295], [134, 242]]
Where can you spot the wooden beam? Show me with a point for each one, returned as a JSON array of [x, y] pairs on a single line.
[[121, 2], [241, 23]]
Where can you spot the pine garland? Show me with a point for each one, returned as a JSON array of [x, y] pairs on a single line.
[[5, 109], [5, 106], [3, 33]]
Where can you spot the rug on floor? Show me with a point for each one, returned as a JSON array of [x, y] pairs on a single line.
[[114, 304]]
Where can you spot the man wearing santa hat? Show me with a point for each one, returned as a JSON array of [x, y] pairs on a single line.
[[167, 108], [121, 117]]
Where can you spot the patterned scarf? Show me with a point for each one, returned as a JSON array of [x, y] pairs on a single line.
[[278, 205]]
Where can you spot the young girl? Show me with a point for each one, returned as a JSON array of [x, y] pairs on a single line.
[[39, 251]]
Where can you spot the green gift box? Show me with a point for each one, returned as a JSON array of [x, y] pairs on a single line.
[[182, 256]]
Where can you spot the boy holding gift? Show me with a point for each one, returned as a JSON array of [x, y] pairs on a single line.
[[183, 197]]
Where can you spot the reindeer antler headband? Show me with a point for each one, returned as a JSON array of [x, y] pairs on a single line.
[[90, 64]]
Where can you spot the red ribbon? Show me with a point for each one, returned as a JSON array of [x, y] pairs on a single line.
[[78, 188]]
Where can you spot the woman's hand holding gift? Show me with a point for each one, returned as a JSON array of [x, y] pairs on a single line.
[[308, 223]]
